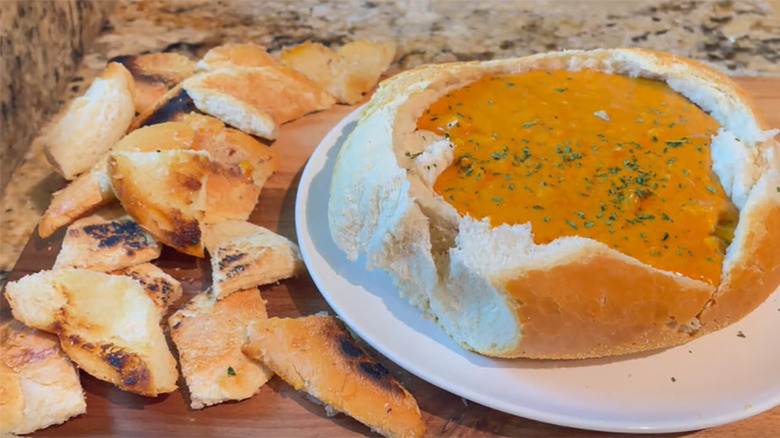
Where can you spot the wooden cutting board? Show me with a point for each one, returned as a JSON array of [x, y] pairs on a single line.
[[279, 410]]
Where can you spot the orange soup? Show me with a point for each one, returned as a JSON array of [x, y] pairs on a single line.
[[625, 161]]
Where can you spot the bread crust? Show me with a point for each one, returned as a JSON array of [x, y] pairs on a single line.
[[391, 214], [92, 124], [256, 100], [154, 74], [317, 355]]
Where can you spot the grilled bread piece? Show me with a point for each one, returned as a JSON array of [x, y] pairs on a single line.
[[245, 255], [86, 193], [317, 355], [106, 241], [172, 194], [256, 100], [236, 55], [163, 289], [493, 288], [92, 124], [107, 325], [93, 189], [346, 74], [154, 74], [208, 335], [39, 386], [231, 150]]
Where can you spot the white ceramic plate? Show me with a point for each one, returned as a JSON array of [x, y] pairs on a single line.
[[717, 379]]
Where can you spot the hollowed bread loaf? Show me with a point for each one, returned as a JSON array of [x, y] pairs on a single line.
[[504, 284]]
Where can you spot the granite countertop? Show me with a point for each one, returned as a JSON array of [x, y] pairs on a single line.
[[736, 37]]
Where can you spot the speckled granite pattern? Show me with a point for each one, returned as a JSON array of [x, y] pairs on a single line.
[[41, 43], [737, 37]]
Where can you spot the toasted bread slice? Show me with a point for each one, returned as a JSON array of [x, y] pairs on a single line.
[[172, 194], [164, 192], [256, 100], [347, 74], [107, 324], [163, 289], [92, 124], [93, 189], [154, 74], [170, 107], [245, 255], [83, 195], [39, 386], [105, 241], [317, 355], [209, 335], [236, 55]]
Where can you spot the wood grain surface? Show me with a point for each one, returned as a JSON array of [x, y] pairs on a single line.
[[277, 410]]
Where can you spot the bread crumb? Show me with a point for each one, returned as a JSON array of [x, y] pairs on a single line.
[[602, 115]]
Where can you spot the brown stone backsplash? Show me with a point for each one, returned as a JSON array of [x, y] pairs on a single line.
[[41, 45]]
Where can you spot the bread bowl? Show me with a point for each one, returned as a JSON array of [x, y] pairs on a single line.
[[497, 291]]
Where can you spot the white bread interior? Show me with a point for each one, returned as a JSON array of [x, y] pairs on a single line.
[[476, 281], [93, 123]]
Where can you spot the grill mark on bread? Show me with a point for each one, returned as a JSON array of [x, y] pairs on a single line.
[[140, 74], [349, 348], [132, 372], [185, 233], [112, 234], [174, 109], [156, 285], [190, 183], [318, 355], [228, 259], [227, 262], [358, 358], [375, 370]]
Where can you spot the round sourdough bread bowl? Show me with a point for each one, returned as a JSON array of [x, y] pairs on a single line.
[[495, 291]]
